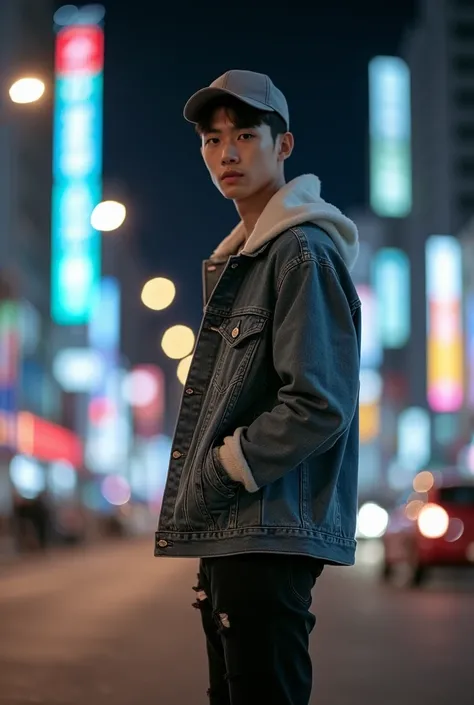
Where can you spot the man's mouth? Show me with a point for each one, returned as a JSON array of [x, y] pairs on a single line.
[[229, 175]]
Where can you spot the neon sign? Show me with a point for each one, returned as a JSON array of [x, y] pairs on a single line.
[[444, 329], [391, 272], [77, 173], [390, 137]]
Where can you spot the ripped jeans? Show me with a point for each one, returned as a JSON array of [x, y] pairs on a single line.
[[256, 619]]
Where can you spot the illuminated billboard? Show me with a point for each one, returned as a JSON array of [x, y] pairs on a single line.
[[77, 172], [390, 137], [369, 405], [445, 380], [391, 276]]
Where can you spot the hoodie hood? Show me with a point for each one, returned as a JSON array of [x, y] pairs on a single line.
[[298, 202]]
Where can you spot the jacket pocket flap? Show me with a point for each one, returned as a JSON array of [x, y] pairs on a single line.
[[239, 328]]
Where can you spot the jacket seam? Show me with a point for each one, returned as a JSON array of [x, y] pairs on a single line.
[[301, 236], [296, 261], [269, 530], [354, 304], [235, 312]]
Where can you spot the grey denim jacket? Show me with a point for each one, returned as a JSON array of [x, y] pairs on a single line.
[[276, 365]]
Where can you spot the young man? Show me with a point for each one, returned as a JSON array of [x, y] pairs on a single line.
[[262, 484]]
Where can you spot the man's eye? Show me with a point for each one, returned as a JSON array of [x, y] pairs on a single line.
[[212, 140], [246, 136]]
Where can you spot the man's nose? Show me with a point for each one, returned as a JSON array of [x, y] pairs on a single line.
[[230, 154]]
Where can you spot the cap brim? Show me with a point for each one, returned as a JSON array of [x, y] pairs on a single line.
[[197, 102]]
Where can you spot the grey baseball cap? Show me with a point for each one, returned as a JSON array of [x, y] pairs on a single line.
[[255, 89]]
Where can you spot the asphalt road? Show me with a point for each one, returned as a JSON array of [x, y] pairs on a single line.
[[112, 625]]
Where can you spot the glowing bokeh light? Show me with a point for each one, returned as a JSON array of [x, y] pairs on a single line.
[[140, 388], [413, 509], [27, 90], [158, 294], [372, 521], [178, 342], [116, 490], [108, 216], [433, 521], [183, 369], [423, 482]]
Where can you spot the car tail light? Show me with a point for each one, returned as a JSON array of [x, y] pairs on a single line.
[[433, 521]]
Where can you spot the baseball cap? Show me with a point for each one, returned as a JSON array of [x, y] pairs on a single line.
[[255, 89]]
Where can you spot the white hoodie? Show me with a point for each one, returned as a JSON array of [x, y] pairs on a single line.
[[299, 201]]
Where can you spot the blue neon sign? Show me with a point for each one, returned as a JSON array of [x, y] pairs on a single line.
[[77, 173]]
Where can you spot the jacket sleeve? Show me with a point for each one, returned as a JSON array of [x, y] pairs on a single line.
[[316, 354]]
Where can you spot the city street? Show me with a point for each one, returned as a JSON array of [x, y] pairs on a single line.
[[112, 625]]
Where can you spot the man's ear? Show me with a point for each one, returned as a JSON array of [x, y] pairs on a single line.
[[287, 142]]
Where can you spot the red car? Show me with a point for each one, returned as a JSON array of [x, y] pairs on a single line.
[[432, 527]]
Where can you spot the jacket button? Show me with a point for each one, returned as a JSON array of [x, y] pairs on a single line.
[[234, 266], [189, 391], [162, 543], [177, 454], [235, 332]]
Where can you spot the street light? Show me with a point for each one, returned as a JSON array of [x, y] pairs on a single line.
[[158, 293], [178, 342], [27, 90], [108, 215]]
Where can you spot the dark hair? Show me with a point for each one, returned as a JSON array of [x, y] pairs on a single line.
[[241, 115]]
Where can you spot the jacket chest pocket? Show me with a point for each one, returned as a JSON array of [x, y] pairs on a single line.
[[240, 336]]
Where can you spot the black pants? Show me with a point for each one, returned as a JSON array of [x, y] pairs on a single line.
[[256, 618]]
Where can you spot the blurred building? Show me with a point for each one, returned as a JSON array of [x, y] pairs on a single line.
[[29, 396], [439, 51], [42, 455], [26, 48]]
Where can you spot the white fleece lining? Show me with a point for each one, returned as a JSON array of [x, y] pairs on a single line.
[[234, 462], [297, 202]]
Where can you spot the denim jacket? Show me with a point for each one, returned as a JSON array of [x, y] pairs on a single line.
[[265, 452]]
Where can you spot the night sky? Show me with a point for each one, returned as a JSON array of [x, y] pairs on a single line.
[[316, 52]]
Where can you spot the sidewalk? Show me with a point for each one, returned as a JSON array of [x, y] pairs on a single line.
[[9, 558]]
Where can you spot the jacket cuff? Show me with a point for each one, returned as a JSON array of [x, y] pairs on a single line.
[[234, 463]]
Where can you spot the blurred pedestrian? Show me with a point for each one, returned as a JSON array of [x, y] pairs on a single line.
[[41, 520]]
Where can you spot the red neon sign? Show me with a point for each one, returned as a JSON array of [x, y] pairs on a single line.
[[47, 441], [80, 49]]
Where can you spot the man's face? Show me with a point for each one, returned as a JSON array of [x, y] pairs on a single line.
[[241, 162]]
